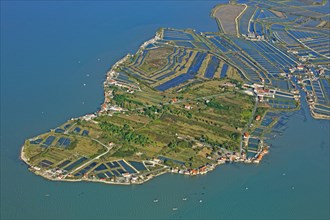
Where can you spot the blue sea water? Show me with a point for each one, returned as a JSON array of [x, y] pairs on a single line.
[[47, 50]]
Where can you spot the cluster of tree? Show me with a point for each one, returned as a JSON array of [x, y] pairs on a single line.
[[175, 145], [125, 151], [119, 99], [153, 111], [180, 112], [123, 101], [205, 139], [126, 133], [216, 105], [231, 144]]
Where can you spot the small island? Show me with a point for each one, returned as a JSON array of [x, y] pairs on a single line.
[[188, 101]]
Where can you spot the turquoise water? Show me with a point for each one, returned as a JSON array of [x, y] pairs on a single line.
[[46, 51]]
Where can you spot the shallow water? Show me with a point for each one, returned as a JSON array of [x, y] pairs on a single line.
[[47, 50]]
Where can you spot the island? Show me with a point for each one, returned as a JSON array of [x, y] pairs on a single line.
[[188, 101]]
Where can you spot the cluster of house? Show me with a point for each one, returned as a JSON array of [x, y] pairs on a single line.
[[55, 173], [89, 117], [260, 155], [259, 90], [253, 36], [126, 178], [302, 58], [297, 68], [201, 170]]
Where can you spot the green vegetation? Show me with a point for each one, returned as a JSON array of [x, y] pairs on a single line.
[[125, 133], [159, 127]]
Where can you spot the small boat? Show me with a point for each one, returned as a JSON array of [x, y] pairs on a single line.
[[84, 84], [175, 208], [47, 195], [200, 200], [184, 199], [156, 200]]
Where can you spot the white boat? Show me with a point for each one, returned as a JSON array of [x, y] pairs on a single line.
[[175, 208], [184, 199], [156, 200]]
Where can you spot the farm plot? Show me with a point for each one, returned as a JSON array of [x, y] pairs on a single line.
[[244, 20], [169, 34], [211, 67], [226, 17]]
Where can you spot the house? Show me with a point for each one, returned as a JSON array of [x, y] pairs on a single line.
[[248, 92], [89, 117], [300, 67], [229, 84], [246, 135], [116, 108], [134, 179], [126, 175], [260, 98], [258, 117], [292, 69], [194, 172], [104, 107], [156, 160], [188, 107]]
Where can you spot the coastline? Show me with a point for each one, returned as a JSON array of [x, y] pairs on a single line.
[[230, 158], [187, 172]]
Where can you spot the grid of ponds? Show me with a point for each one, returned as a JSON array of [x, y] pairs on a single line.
[[211, 67], [85, 169], [45, 163], [164, 159], [245, 18], [49, 140], [63, 142], [59, 130], [224, 69], [176, 35], [64, 163], [37, 141], [126, 166], [76, 163], [85, 133], [138, 165]]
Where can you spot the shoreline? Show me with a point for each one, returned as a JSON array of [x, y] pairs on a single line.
[[187, 172], [204, 169], [57, 174]]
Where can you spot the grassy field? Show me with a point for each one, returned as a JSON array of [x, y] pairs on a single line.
[[206, 115]]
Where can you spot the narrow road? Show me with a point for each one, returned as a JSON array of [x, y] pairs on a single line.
[[67, 131], [249, 123], [181, 101], [154, 171], [108, 149]]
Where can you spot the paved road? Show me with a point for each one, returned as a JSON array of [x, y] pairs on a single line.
[[67, 131], [104, 145], [181, 101], [249, 123]]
